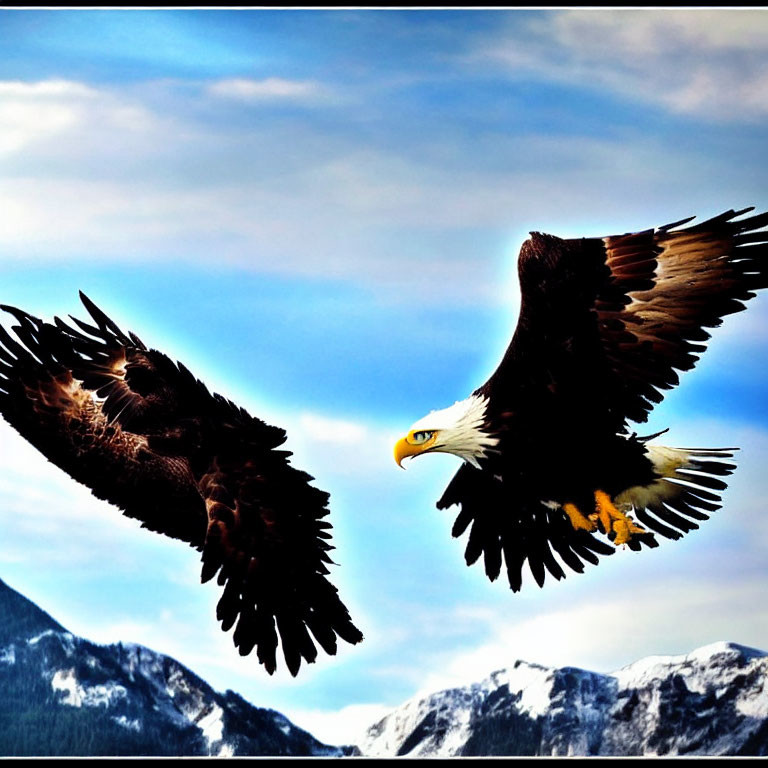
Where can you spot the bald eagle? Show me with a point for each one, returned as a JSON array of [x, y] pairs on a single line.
[[549, 462], [144, 434]]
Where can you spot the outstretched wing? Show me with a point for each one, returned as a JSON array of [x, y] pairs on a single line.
[[668, 286], [626, 313], [142, 433]]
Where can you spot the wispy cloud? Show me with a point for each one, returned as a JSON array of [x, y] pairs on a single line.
[[337, 431], [124, 175], [605, 633], [56, 110], [711, 63], [33, 112], [269, 89]]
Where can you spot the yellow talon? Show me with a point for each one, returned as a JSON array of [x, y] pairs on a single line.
[[610, 518], [614, 520], [578, 521], [622, 532], [604, 509]]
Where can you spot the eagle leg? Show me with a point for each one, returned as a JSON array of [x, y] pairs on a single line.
[[614, 520], [578, 521]]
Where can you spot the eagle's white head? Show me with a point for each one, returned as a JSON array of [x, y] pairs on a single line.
[[457, 430]]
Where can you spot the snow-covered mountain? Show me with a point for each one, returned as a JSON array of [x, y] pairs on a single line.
[[63, 695], [713, 701]]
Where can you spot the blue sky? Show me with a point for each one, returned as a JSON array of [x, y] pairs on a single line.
[[319, 213]]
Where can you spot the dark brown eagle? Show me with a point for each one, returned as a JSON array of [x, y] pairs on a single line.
[[604, 325], [144, 434]]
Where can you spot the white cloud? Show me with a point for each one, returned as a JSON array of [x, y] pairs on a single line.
[[345, 726], [82, 218], [326, 430], [22, 124], [353, 210], [60, 110], [268, 89], [643, 32], [56, 88], [130, 175], [712, 63], [607, 632], [332, 448]]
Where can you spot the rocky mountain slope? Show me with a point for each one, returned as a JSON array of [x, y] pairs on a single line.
[[713, 701], [63, 695]]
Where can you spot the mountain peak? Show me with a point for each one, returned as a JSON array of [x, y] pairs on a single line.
[[61, 695], [724, 646], [22, 619], [707, 702], [720, 654]]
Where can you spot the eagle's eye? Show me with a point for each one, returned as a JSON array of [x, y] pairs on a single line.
[[418, 438]]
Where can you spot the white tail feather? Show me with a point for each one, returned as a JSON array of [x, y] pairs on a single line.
[[679, 470]]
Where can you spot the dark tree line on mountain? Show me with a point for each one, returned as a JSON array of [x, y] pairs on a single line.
[[33, 724]]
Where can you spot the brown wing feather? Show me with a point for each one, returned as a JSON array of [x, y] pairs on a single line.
[[145, 435], [665, 288], [626, 312], [59, 415], [268, 542]]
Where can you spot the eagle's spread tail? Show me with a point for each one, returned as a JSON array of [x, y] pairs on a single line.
[[689, 485]]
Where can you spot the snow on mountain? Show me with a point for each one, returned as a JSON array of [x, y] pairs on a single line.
[[713, 701], [63, 695]]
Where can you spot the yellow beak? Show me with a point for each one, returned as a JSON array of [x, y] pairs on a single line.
[[404, 449]]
